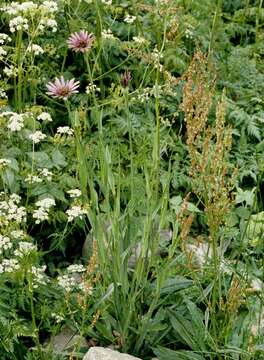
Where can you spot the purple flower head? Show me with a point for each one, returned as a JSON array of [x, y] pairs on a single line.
[[126, 78], [62, 89], [80, 41]]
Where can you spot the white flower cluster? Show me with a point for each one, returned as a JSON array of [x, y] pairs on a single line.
[[37, 136], [75, 268], [39, 277], [67, 282], [156, 57], [16, 121], [9, 266], [4, 163], [3, 94], [42, 213], [44, 116], [107, 2], [58, 318], [74, 193], [10, 211], [107, 34], [92, 88], [139, 40], [2, 53], [76, 211], [48, 23], [44, 175], [10, 71], [4, 38], [49, 7], [35, 49], [26, 13], [65, 130], [24, 249], [16, 8], [129, 19], [144, 95], [18, 23], [17, 234], [5, 243]]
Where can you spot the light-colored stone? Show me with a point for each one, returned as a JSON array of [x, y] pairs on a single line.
[[66, 340], [100, 353]]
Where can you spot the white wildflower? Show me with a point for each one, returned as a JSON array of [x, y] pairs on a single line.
[[5, 243], [107, 2], [39, 277], [18, 23], [46, 203], [58, 318], [4, 163], [3, 94], [92, 88], [10, 71], [74, 193], [44, 116], [46, 174], [65, 130], [25, 248], [9, 265], [139, 40], [75, 268], [42, 213], [33, 179], [37, 136], [75, 212], [49, 6], [4, 38], [48, 23], [16, 122], [17, 234], [3, 53], [129, 19], [67, 282], [11, 212], [16, 198], [35, 49], [107, 34]]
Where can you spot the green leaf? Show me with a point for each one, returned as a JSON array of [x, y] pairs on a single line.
[[40, 158], [58, 159], [167, 354], [175, 284], [185, 330]]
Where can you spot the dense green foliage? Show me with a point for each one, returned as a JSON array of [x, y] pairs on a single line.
[[131, 211]]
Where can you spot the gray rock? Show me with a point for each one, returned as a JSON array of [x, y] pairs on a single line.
[[66, 340], [100, 353]]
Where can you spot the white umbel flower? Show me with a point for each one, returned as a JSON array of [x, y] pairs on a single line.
[[44, 116], [74, 193], [65, 130], [35, 49], [75, 212], [37, 137], [129, 19], [16, 122]]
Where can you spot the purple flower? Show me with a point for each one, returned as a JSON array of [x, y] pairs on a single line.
[[80, 41], [62, 89], [126, 78]]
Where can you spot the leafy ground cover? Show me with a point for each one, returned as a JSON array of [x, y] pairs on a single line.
[[131, 203]]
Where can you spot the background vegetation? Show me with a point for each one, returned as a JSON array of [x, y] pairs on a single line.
[[132, 212]]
